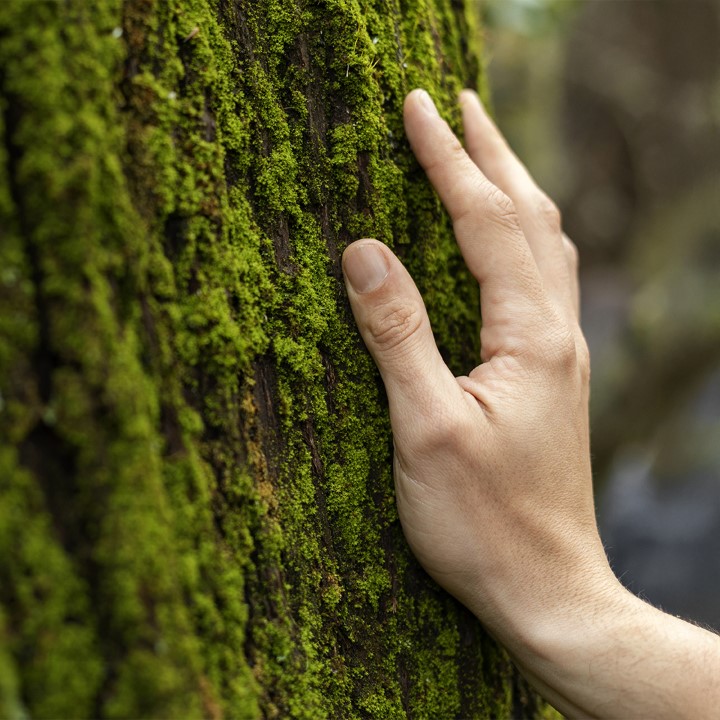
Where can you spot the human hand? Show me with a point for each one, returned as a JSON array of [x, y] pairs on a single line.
[[492, 470]]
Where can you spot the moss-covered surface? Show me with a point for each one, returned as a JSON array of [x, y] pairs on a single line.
[[196, 505]]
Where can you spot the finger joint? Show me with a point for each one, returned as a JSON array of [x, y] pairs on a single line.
[[396, 324]]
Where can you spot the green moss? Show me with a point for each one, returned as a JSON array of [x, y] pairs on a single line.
[[196, 498]]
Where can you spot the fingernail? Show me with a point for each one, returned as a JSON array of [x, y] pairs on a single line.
[[471, 95], [478, 101], [365, 267], [427, 103]]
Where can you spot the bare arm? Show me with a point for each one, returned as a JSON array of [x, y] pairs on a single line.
[[492, 470]]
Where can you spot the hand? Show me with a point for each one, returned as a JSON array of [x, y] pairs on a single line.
[[492, 470]]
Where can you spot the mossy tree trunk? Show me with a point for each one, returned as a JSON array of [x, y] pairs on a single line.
[[196, 502]]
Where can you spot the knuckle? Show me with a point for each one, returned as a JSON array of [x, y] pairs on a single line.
[[440, 432], [501, 203], [571, 252], [566, 354], [583, 358], [558, 350], [548, 211], [503, 209], [452, 153], [455, 147], [394, 324]]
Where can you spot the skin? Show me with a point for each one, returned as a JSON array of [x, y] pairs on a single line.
[[492, 470]]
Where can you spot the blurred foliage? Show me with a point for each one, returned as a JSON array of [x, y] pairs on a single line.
[[529, 17]]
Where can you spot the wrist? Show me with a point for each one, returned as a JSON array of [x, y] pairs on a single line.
[[557, 645], [558, 634], [556, 585]]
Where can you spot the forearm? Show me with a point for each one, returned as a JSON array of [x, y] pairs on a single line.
[[615, 656]]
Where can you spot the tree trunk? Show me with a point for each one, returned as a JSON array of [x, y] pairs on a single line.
[[196, 499]]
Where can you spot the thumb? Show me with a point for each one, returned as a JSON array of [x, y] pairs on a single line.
[[394, 324]]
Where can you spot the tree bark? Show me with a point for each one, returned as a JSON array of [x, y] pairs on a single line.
[[196, 501]]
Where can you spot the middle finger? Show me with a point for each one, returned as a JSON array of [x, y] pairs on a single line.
[[539, 217]]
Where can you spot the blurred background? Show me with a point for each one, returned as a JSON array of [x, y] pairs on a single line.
[[615, 107]]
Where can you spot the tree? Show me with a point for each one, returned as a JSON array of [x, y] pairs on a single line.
[[196, 504]]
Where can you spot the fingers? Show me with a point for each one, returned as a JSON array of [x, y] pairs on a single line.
[[394, 324], [486, 224], [539, 217]]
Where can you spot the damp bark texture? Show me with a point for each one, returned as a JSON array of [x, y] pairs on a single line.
[[196, 502]]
